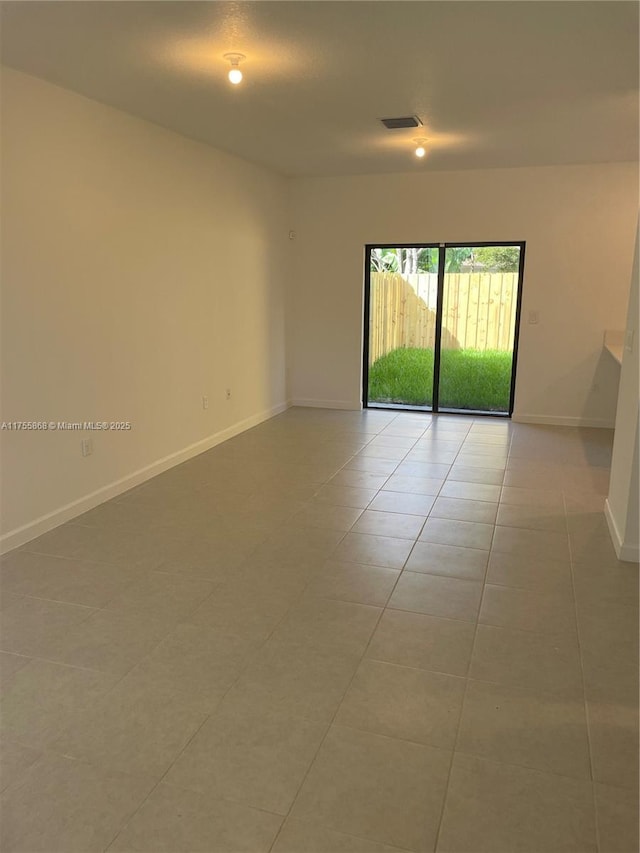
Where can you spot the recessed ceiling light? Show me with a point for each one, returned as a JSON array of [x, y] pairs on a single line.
[[421, 146], [235, 75]]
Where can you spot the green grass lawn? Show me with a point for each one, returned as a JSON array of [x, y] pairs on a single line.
[[468, 379]]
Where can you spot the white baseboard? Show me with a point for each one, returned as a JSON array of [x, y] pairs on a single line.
[[562, 420], [350, 405], [21, 535], [628, 553]]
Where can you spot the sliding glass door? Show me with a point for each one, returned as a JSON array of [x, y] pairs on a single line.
[[402, 296], [441, 326]]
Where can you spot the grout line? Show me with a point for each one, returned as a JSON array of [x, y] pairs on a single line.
[[584, 690]]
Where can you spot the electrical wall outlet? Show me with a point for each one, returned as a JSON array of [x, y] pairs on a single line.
[[87, 446], [228, 393], [534, 318], [205, 402]]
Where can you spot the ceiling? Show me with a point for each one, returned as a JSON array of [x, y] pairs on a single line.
[[497, 84]]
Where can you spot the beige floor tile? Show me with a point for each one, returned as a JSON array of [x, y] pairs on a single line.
[[197, 660], [617, 810], [235, 548], [213, 560], [470, 491], [136, 727], [377, 451], [249, 755], [346, 496], [403, 502], [346, 581], [426, 642], [451, 598], [613, 732], [387, 551], [532, 573], [373, 466], [61, 579], [497, 808], [541, 498], [609, 643], [295, 678], [299, 836], [394, 524], [15, 761], [473, 445], [585, 478], [162, 596], [9, 665], [542, 731], [415, 430], [251, 606], [582, 522], [340, 625], [498, 461], [508, 607], [614, 583], [593, 546], [465, 510], [138, 548], [380, 788], [108, 641], [531, 518], [482, 476], [322, 514], [39, 700], [402, 442], [548, 469], [414, 468], [317, 539], [62, 541], [448, 531], [545, 544], [448, 560], [275, 570], [173, 820], [358, 479], [413, 485], [433, 455], [64, 805], [525, 659], [402, 702], [27, 623], [433, 442], [542, 477]]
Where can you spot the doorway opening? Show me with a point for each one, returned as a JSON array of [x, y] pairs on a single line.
[[441, 326]]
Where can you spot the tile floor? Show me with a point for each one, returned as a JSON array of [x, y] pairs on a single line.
[[340, 631]]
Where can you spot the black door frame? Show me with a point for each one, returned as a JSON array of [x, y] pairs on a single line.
[[442, 247]]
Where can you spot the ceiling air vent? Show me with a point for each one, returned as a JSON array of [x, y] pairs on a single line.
[[404, 121]]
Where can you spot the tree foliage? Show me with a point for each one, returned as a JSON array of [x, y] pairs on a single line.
[[415, 260], [498, 258]]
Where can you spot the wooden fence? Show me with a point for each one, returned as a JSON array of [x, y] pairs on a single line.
[[478, 311]]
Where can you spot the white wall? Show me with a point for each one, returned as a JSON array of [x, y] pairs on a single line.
[[622, 509], [140, 271], [578, 223]]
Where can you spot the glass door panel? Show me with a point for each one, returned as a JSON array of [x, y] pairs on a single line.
[[403, 295], [479, 306]]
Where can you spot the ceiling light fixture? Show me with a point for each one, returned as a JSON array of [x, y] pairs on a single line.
[[421, 149], [235, 75]]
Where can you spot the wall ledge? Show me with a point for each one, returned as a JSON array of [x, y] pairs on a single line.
[[21, 535], [625, 551]]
